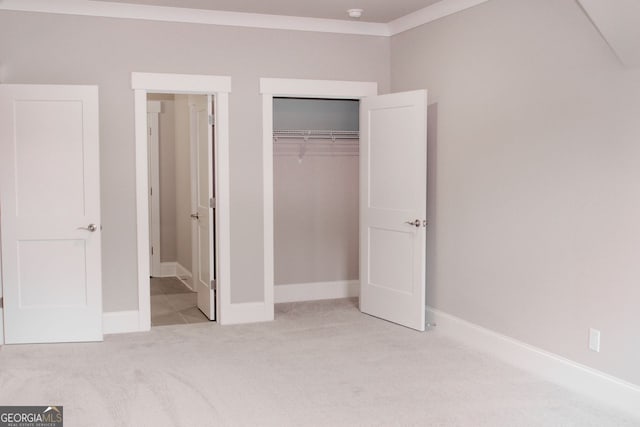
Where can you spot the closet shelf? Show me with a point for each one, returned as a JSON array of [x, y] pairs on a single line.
[[315, 134], [325, 143]]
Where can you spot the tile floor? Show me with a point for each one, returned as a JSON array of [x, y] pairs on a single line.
[[172, 303]]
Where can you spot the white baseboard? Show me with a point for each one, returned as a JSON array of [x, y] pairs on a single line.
[[168, 269], [120, 322], [316, 291], [580, 378], [175, 269], [185, 276], [241, 313]]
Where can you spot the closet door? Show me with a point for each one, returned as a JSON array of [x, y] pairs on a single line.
[[393, 202], [50, 213]]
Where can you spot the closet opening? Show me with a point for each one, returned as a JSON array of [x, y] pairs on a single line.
[[315, 198], [392, 203], [182, 208]]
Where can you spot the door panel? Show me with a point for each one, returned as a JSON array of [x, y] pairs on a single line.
[[43, 262], [49, 194], [393, 192], [390, 247], [62, 192], [391, 125]]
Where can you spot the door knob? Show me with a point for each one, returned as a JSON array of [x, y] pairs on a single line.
[[417, 223], [195, 216], [90, 227]]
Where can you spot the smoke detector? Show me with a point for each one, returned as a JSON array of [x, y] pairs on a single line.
[[355, 13]]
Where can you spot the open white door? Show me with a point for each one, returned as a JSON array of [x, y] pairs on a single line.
[[50, 213], [204, 255], [154, 108], [393, 202]]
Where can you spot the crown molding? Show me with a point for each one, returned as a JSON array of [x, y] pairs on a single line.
[[108, 9], [430, 13], [194, 16]]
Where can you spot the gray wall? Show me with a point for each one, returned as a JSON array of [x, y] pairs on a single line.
[[168, 248], [175, 179], [183, 182], [167, 170], [534, 175], [57, 49], [315, 205]]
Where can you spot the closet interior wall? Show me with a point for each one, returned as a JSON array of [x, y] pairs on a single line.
[[316, 191]]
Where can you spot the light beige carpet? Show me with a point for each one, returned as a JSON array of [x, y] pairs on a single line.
[[319, 364]]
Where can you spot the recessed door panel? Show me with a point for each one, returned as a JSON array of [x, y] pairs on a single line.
[[391, 247], [52, 273], [49, 134], [389, 163]]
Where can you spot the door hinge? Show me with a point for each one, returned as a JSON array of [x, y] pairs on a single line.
[[1, 302], [151, 191], [149, 131], [213, 285], [210, 119], [151, 250], [212, 202]]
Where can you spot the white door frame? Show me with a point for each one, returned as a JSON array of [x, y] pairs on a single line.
[[301, 88], [153, 111], [220, 86]]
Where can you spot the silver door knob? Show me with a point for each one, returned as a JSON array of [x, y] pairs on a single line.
[[195, 216], [90, 227], [417, 223]]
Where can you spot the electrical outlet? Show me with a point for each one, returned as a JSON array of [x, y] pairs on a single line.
[[594, 340]]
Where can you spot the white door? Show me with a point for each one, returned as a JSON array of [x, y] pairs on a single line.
[[203, 215], [50, 213], [393, 202], [153, 147]]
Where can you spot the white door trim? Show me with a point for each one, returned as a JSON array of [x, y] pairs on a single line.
[[153, 112], [302, 88], [142, 84]]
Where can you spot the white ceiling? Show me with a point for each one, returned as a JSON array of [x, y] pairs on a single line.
[[374, 10]]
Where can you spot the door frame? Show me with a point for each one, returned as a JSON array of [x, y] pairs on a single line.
[[300, 88], [219, 86]]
